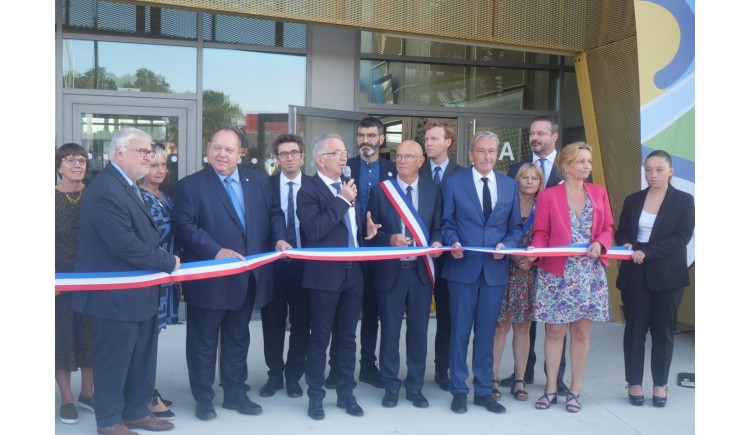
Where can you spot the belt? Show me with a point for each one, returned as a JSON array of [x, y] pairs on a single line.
[[408, 264]]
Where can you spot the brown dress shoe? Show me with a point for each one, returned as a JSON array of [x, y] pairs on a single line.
[[115, 429], [151, 423]]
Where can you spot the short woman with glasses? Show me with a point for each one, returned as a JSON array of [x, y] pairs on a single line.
[[74, 333]]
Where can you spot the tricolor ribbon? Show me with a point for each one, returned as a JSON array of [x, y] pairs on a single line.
[[77, 281]]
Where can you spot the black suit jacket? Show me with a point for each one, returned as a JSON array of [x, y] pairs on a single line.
[[554, 177], [117, 235], [205, 221], [666, 250], [430, 203], [387, 170], [321, 219]]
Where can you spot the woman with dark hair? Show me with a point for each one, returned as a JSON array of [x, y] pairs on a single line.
[[657, 223], [74, 332]]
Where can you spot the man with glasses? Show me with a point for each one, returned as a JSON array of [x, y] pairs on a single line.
[[117, 233], [289, 297], [368, 169], [225, 212], [408, 210], [329, 218]]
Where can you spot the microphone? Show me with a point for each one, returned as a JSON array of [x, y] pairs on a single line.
[[346, 176]]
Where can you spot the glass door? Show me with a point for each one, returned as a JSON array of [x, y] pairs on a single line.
[[513, 133]]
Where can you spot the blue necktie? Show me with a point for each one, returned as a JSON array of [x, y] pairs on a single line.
[[337, 186], [486, 199], [544, 174], [436, 178], [235, 202], [409, 189], [291, 230]]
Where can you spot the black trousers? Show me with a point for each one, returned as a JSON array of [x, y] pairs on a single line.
[[654, 311]]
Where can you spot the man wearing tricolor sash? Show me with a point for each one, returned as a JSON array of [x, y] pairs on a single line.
[[408, 211]]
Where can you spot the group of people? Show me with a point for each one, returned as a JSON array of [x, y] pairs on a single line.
[[226, 211]]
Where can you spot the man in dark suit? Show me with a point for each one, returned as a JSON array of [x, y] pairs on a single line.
[[480, 208], [368, 169], [328, 218], [405, 284], [543, 135], [118, 234], [225, 211], [438, 137], [288, 293]]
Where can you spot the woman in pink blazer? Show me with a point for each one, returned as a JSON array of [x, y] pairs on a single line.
[[571, 291]]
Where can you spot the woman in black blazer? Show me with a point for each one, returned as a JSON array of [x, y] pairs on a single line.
[[657, 223]]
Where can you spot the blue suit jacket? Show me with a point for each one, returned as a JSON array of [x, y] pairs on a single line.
[[463, 221], [430, 203], [321, 222], [118, 234], [205, 221]]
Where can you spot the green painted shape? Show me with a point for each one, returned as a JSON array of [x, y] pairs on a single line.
[[678, 139]]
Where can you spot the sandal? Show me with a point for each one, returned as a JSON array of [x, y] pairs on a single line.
[[496, 391], [519, 394], [572, 407], [546, 400]]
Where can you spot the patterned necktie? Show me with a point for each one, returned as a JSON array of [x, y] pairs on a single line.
[[436, 178], [235, 201], [544, 173], [291, 230], [409, 189], [486, 199], [348, 224]]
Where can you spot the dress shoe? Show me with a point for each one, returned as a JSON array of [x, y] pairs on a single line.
[[243, 405], [205, 411], [561, 387], [508, 382], [371, 375], [659, 402], [351, 406], [417, 399], [315, 409], [151, 423], [443, 380], [293, 389], [458, 405], [115, 429], [390, 400], [489, 403], [636, 400], [269, 389]]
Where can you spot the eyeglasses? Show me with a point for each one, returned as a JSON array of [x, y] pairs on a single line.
[[71, 161], [371, 136], [406, 157], [287, 154], [143, 152], [337, 153]]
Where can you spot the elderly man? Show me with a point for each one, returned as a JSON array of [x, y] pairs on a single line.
[[225, 211], [480, 208], [328, 218], [408, 210], [118, 234]]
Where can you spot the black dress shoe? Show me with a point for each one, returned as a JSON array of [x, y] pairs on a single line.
[[315, 409], [417, 399], [390, 400], [489, 403], [562, 388], [293, 389], [205, 411], [269, 389], [659, 402], [243, 405], [443, 380], [458, 405], [371, 375], [351, 406]]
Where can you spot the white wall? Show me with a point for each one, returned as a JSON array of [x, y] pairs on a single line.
[[333, 55]]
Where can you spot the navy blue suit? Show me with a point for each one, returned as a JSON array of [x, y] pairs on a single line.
[[368, 329], [118, 234], [404, 285], [335, 287], [477, 281], [205, 221], [288, 296], [442, 300]]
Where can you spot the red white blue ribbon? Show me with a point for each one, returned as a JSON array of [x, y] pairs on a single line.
[[78, 281]]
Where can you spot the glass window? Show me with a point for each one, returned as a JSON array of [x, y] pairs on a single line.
[[129, 67], [245, 30], [239, 90]]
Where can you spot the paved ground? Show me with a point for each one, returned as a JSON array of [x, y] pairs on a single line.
[[604, 400]]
